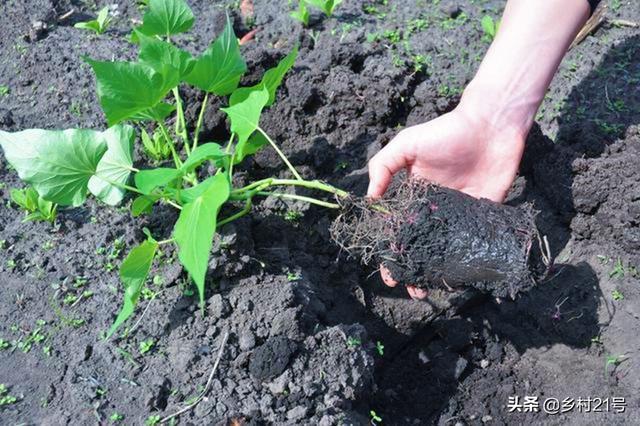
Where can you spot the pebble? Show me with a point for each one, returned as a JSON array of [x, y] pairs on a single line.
[[484, 363], [247, 340]]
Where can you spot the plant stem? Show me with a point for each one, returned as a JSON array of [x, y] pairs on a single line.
[[196, 134], [300, 198], [171, 203], [165, 133], [244, 211], [311, 184], [120, 185], [168, 241], [281, 154], [181, 125]]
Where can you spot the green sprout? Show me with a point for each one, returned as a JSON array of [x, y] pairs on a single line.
[[152, 421], [146, 346], [380, 348], [618, 270], [5, 397], [490, 27], [617, 295], [4, 90], [36, 208], [375, 419], [353, 342], [302, 13], [116, 417], [148, 89], [98, 25]]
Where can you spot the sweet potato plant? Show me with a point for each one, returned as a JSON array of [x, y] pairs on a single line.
[[64, 166]]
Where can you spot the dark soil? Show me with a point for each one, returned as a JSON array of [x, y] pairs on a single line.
[[304, 321], [434, 237]]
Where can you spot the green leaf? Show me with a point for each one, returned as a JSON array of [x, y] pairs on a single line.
[[271, 80], [208, 151], [253, 145], [115, 167], [156, 113], [166, 17], [302, 14], [245, 115], [143, 204], [165, 58], [148, 180], [127, 88], [133, 273], [327, 6], [98, 25], [186, 196], [219, 69], [195, 228], [488, 25], [57, 163]]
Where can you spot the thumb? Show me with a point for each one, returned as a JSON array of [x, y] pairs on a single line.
[[386, 163]]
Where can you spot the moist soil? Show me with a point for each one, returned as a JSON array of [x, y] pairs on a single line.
[[306, 323], [430, 236]]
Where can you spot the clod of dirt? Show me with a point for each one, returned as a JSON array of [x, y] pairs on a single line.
[[271, 359], [434, 237]]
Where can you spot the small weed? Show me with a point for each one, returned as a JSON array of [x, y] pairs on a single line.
[[393, 36], [116, 417], [35, 207], [380, 348], [4, 90], [617, 295], [4, 344], [292, 216], [5, 397], [293, 276], [375, 419], [98, 25], [152, 421], [618, 270], [597, 340], [489, 27], [352, 342], [146, 346], [613, 361], [302, 13]]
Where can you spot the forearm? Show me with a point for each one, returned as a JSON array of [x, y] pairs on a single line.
[[517, 70]]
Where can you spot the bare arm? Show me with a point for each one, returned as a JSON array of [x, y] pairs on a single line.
[[477, 147]]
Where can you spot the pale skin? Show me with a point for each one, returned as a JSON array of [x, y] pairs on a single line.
[[477, 147]]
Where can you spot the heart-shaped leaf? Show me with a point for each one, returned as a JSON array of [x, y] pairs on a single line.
[[166, 17], [58, 163], [165, 58], [208, 151], [115, 167], [148, 180], [219, 69], [127, 88], [245, 115]]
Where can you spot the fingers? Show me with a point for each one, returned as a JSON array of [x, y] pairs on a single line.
[[386, 277], [386, 163], [414, 292]]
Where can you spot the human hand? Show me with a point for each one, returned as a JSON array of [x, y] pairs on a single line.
[[463, 150]]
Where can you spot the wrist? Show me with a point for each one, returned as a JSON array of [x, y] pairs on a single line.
[[500, 108]]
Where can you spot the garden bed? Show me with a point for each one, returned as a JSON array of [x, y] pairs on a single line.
[[314, 337]]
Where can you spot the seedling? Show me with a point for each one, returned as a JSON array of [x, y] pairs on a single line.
[[617, 295], [302, 13], [353, 342], [327, 6], [63, 166], [156, 146], [618, 270], [380, 348], [4, 90], [36, 208], [98, 25], [4, 344], [614, 361], [152, 420], [116, 417], [375, 419], [5, 397], [146, 346], [490, 27]]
